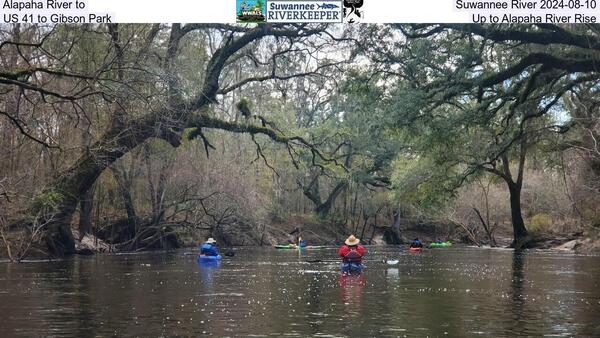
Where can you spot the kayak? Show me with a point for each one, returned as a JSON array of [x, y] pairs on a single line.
[[204, 258], [287, 247], [440, 245], [351, 267], [415, 249]]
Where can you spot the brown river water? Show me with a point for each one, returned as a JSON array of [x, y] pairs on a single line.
[[263, 292]]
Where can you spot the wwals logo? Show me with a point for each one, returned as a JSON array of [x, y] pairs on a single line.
[[250, 10]]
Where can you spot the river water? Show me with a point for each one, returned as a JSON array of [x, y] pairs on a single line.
[[448, 292]]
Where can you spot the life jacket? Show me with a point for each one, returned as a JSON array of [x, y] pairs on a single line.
[[209, 250], [353, 256]]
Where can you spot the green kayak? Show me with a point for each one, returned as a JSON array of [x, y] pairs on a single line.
[[287, 247], [440, 244]]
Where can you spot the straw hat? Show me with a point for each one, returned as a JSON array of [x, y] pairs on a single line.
[[211, 240], [352, 240]]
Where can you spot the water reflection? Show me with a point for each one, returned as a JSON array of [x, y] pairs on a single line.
[[352, 289], [517, 294], [208, 270], [392, 273], [81, 277]]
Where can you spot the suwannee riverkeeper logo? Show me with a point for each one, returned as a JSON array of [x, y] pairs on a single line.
[[300, 11]]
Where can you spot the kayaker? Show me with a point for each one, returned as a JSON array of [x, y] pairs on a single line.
[[209, 248], [352, 253], [416, 243]]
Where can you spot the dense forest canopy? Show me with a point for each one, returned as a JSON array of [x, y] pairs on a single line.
[[206, 126]]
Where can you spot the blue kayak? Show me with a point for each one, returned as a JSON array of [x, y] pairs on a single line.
[[205, 258], [351, 267]]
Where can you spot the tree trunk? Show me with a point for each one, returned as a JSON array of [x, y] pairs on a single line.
[[86, 202], [124, 183], [78, 179], [324, 208], [521, 236], [85, 213], [124, 186], [157, 181], [366, 219], [58, 237], [486, 227], [311, 191], [397, 220]]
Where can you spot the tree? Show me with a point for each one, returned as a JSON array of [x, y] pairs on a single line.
[[477, 98], [354, 133], [136, 103]]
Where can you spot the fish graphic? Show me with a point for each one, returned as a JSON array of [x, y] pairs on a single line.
[[327, 6]]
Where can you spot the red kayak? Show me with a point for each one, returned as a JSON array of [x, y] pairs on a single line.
[[415, 249]]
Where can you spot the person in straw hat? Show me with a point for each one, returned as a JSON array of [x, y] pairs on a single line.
[[209, 248], [352, 253]]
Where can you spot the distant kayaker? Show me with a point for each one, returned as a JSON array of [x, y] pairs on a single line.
[[209, 248], [352, 253], [416, 243]]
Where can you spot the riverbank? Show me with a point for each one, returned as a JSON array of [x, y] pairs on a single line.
[[583, 245], [316, 231]]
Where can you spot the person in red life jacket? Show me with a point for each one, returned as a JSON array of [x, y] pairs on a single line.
[[352, 253]]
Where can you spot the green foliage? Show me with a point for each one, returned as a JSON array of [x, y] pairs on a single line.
[[47, 201], [244, 107], [420, 181], [191, 134], [453, 131], [540, 222]]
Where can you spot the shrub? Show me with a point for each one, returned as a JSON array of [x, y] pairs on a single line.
[[540, 222], [47, 201]]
